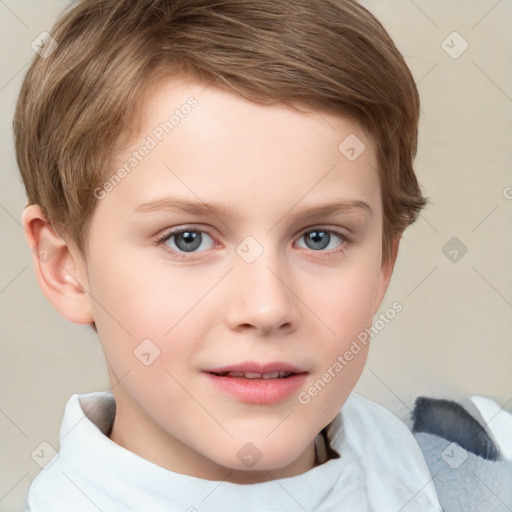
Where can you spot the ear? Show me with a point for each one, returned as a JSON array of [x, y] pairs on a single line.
[[60, 271], [386, 272]]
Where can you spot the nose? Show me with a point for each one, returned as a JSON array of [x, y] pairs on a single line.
[[262, 296]]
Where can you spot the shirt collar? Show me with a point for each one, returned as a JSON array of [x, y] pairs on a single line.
[[87, 449]]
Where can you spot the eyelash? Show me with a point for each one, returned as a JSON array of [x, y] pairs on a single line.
[[167, 236]]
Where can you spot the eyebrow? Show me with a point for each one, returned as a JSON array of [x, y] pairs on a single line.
[[169, 203]]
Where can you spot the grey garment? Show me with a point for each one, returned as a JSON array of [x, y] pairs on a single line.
[[468, 470], [466, 482], [451, 421]]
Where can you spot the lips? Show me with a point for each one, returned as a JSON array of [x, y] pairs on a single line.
[[258, 383]]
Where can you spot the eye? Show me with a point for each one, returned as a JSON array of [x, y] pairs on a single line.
[[185, 240], [318, 239]]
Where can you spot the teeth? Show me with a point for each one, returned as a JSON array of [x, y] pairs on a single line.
[[255, 375], [236, 374]]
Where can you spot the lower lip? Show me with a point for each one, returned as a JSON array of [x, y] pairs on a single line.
[[259, 391]]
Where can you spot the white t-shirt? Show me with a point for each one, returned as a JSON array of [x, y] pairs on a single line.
[[380, 468]]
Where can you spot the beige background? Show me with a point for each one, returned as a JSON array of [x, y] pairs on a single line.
[[454, 336]]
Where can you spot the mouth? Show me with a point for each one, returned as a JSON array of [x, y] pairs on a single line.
[[255, 375], [258, 383], [255, 370]]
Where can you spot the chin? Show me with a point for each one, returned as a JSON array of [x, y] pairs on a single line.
[[260, 455]]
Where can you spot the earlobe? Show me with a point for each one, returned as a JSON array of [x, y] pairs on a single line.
[[386, 272], [60, 272]]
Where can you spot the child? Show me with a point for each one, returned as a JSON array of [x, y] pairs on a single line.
[[276, 138]]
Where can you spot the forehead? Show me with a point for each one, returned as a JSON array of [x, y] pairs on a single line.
[[222, 109], [207, 144]]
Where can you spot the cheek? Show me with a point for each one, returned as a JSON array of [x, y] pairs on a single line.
[[346, 310], [142, 295], [135, 301], [346, 302]]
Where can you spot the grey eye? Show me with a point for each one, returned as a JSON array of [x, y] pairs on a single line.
[[320, 239], [187, 240]]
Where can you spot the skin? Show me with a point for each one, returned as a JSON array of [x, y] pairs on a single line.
[[211, 308]]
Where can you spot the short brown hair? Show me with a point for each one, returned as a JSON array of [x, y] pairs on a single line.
[[78, 104]]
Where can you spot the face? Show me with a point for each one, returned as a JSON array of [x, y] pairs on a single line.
[[224, 284]]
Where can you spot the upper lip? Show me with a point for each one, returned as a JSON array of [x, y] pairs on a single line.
[[255, 367]]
